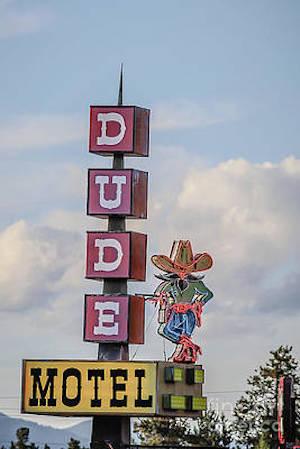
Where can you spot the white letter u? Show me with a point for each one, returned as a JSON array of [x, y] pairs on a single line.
[[102, 180]]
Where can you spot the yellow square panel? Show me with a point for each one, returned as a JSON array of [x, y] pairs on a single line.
[[199, 403], [178, 374], [178, 402], [199, 376]]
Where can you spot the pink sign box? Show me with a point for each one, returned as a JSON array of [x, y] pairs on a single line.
[[116, 255], [123, 129], [106, 318], [117, 192]]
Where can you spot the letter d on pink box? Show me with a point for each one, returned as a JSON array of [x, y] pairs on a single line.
[[119, 129], [120, 255]]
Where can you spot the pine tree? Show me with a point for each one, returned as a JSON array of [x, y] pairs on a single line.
[[32, 446], [209, 430], [73, 444], [22, 435], [256, 411], [22, 440], [160, 431]]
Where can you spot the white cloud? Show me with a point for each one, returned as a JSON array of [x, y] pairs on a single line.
[[37, 265], [247, 216], [34, 132], [14, 21], [187, 114], [66, 220]]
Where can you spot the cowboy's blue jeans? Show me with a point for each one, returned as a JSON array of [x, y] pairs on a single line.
[[179, 324]]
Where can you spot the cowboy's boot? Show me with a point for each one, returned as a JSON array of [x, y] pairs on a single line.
[[176, 354], [188, 352], [182, 352]]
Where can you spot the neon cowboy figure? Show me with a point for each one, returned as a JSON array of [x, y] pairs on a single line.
[[181, 297]]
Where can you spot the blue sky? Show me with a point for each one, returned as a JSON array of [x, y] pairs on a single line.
[[222, 81], [241, 53]]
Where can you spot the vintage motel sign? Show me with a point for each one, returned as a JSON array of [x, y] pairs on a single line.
[[118, 319], [117, 192], [73, 387], [119, 255], [87, 388], [119, 129]]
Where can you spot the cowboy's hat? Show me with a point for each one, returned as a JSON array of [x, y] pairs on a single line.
[[181, 260]]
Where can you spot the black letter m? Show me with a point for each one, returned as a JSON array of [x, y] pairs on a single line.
[[49, 385]]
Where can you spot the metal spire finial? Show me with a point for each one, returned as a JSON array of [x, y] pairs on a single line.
[[120, 98]]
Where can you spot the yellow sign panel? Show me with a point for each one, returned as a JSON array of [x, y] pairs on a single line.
[[81, 388]]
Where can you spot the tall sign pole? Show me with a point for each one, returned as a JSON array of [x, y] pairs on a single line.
[[106, 428], [117, 223]]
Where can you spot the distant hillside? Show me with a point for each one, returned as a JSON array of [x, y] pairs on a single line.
[[55, 438]]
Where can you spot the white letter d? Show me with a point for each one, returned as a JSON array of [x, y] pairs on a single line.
[[110, 117], [101, 265]]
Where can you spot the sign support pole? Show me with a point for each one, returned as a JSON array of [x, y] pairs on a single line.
[[111, 432]]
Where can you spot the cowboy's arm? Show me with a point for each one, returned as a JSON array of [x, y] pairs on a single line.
[[203, 294]]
